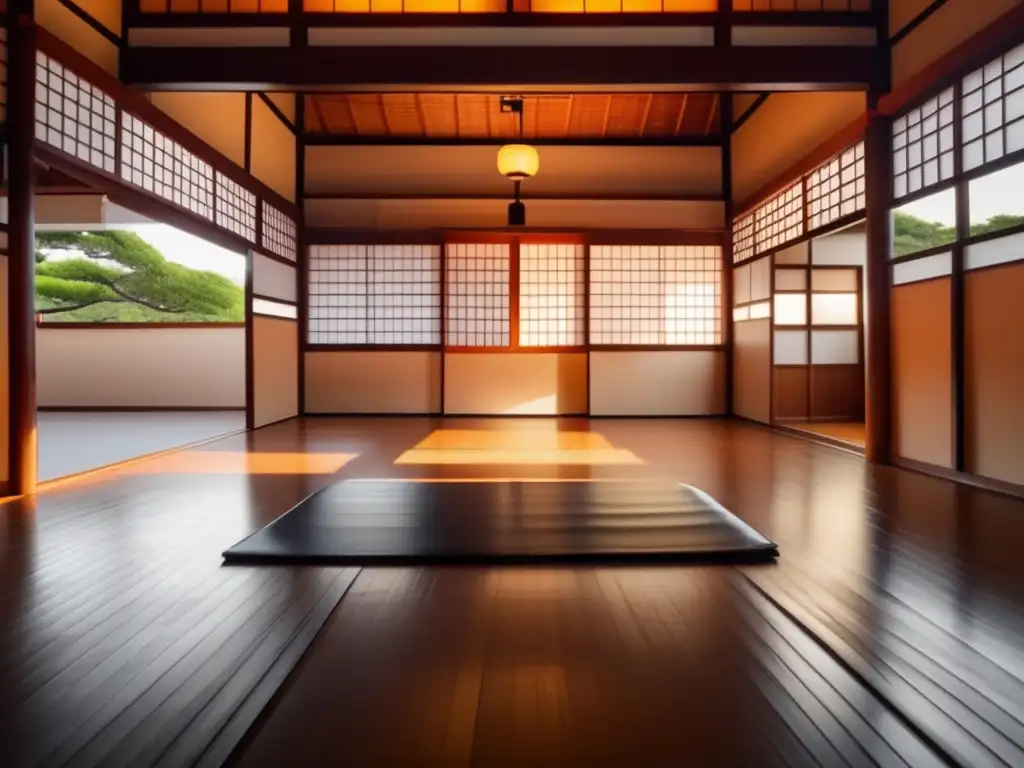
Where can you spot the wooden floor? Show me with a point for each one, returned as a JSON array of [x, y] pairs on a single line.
[[851, 432], [78, 441], [126, 642]]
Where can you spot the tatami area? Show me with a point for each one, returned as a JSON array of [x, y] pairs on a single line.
[[72, 442], [888, 631]]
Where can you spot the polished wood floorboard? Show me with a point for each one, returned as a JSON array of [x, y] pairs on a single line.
[[126, 642], [71, 442], [852, 432]]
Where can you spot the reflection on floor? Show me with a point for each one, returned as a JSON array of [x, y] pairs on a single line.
[[73, 442], [851, 432], [127, 642]]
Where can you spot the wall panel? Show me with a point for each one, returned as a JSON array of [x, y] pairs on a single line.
[[791, 393], [216, 118], [837, 392], [273, 151], [783, 130], [145, 367], [471, 170], [275, 369], [544, 383], [752, 369], [410, 213], [373, 382], [921, 374], [5, 393], [994, 348], [62, 22], [951, 24], [658, 383]]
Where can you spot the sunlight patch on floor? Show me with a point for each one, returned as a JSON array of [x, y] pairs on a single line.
[[467, 446]]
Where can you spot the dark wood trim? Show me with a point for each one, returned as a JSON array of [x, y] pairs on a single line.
[[137, 408], [321, 67], [514, 275], [65, 326], [277, 111], [658, 348], [346, 140], [923, 254], [878, 280], [247, 151], [372, 347], [836, 143], [996, 235], [138, 104], [21, 126], [727, 269], [915, 22], [785, 427], [373, 414], [966, 478], [95, 24], [341, 236], [588, 197], [302, 234], [276, 300], [270, 316], [527, 20], [958, 364], [250, 376], [274, 423], [749, 112]]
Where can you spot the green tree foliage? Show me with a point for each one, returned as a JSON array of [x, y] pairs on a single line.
[[120, 277], [911, 234]]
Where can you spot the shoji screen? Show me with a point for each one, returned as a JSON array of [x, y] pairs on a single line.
[[514, 324], [374, 332], [655, 330], [274, 341], [752, 311], [817, 343]]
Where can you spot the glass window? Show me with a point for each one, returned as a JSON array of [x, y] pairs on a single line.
[[996, 200], [926, 223]]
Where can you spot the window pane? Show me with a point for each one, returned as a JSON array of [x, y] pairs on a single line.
[[996, 201], [834, 308], [791, 309], [923, 224]]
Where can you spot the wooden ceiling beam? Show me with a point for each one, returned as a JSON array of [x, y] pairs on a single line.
[[761, 68], [568, 114], [607, 114], [711, 113], [682, 114], [343, 140], [647, 114]]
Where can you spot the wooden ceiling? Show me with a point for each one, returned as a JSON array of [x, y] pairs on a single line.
[[478, 116]]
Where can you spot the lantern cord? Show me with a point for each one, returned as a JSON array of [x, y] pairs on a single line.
[[517, 183]]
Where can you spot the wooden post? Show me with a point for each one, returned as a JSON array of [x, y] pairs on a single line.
[[878, 189], [21, 248], [727, 292]]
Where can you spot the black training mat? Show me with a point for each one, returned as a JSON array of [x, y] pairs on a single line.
[[384, 521]]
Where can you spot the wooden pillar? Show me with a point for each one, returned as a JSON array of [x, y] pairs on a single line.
[[878, 189], [21, 247], [727, 291]]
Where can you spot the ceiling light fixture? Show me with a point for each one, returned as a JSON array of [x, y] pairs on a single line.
[[517, 162]]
